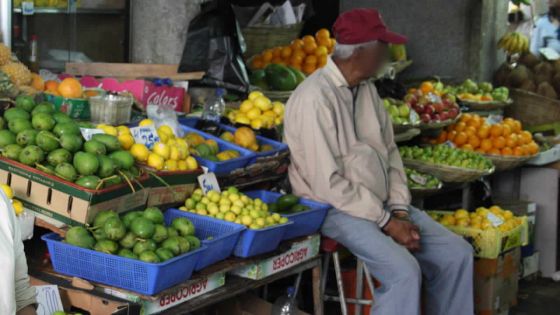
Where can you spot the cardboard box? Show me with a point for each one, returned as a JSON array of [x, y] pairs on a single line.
[[66, 201], [173, 297], [245, 304], [496, 283], [298, 253], [530, 265], [181, 185], [527, 209]]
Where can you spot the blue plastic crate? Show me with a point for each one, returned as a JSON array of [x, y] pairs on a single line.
[[277, 146], [224, 235], [224, 167], [130, 274], [306, 222], [256, 242]]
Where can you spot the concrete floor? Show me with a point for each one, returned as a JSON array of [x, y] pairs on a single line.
[[537, 297]]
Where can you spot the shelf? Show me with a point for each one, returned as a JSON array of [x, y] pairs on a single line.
[[78, 11]]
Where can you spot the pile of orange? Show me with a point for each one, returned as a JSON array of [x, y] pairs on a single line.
[[68, 88], [306, 54], [473, 133]]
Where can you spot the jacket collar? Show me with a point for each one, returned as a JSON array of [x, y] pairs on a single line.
[[332, 72]]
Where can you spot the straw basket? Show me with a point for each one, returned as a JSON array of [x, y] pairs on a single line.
[[261, 37], [438, 125], [281, 96], [503, 163], [450, 174], [533, 109], [488, 105]]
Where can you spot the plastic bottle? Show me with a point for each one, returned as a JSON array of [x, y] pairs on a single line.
[[213, 111], [285, 305]]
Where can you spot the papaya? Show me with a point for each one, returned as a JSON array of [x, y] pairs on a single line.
[[258, 78], [280, 78], [300, 76], [286, 202]]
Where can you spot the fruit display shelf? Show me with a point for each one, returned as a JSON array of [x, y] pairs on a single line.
[[438, 124], [407, 135], [504, 162], [445, 173], [485, 105]]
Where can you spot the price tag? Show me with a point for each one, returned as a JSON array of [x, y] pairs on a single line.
[[494, 119], [88, 133], [208, 182], [419, 179], [449, 144], [27, 8], [494, 220], [145, 135]]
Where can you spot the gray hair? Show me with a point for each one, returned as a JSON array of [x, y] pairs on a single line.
[[345, 51]]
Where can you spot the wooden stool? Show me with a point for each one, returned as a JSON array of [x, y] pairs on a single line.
[[330, 248]]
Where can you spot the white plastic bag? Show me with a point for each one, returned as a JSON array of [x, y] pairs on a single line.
[[162, 117]]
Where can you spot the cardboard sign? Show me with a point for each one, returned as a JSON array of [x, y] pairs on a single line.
[[87, 133], [208, 182], [48, 299], [27, 8], [146, 135]]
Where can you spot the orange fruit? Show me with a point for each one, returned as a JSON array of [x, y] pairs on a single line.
[[470, 130], [297, 43], [475, 122], [461, 138], [308, 69], [257, 63], [426, 87], [526, 150], [460, 126], [517, 127], [333, 43], [483, 132], [276, 52], [321, 51], [507, 151], [310, 60], [296, 66], [467, 147], [474, 141], [526, 137], [286, 52], [299, 53], [37, 82], [506, 130], [323, 33], [70, 88], [479, 150], [323, 61], [267, 55], [533, 148], [494, 151], [442, 137], [308, 39], [510, 122], [451, 135], [496, 130], [499, 142], [511, 141], [309, 47], [51, 85], [486, 145], [324, 42], [518, 151], [296, 60], [466, 117]]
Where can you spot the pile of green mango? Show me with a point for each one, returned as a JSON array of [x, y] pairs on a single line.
[[37, 135], [137, 234], [442, 154], [277, 77], [287, 204]]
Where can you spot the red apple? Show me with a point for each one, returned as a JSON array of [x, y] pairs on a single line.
[[419, 108], [446, 104], [409, 98], [453, 112], [429, 109], [436, 117], [444, 115], [425, 118], [438, 107]]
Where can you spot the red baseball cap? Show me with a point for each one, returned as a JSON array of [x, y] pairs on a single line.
[[364, 25]]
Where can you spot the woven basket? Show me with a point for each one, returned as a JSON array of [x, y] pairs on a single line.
[[261, 37], [450, 174], [438, 125], [489, 105], [402, 128], [407, 135], [533, 109], [281, 96], [503, 163]]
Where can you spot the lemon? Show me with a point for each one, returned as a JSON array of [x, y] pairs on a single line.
[[267, 121], [242, 119], [171, 142], [254, 95], [140, 152], [461, 214], [230, 216], [100, 126], [18, 206], [263, 103], [183, 152], [192, 164], [231, 116], [183, 208], [278, 121], [126, 140], [276, 217], [146, 122], [156, 161], [235, 209], [174, 153], [170, 165], [246, 220], [476, 225], [163, 137], [182, 165], [507, 215], [110, 130], [269, 113], [8, 191], [162, 149], [463, 222], [256, 123], [283, 220], [123, 130], [246, 106], [167, 130], [254, 113], [278, 108], [213, 209], [450, 218]]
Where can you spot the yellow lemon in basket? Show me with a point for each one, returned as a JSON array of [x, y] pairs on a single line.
[[476, 219], [123, 130], [140, 152], [110, 130], [161, 149], [495, 210], [230, 216], [174, 153], [8, 191], [192, 164], [126, 140], [278, 108], [278, 121], [463, 222], [156, 161], [485, 225], [146, 122], [448, 219], [182, 165], [507, 214], [254, 95], [263, 103], [482, 211], [18, 206], [256, 123], [476, 225], [170, 165], [242, 119], [253, 113], [246, 106], [461, 214]]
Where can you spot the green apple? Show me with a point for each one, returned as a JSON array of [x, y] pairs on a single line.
[[404, 111]]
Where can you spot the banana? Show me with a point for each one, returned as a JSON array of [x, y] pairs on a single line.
[[514, 43]]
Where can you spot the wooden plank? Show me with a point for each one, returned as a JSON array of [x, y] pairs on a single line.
[[316, 284], [130, 70], [46, 225]]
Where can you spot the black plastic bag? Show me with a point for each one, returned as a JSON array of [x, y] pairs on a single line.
[[214, 46]]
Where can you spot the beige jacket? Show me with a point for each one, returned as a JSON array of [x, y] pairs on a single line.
[[340, 155]]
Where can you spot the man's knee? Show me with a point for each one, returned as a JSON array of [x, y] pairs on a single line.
[[460, 252], [402, 272]]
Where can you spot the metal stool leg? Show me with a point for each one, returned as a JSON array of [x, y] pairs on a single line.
[[339, 284], [324, 274], [359, 286], [369, 282]]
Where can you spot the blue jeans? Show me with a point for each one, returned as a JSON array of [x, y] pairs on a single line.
[[443, 266]]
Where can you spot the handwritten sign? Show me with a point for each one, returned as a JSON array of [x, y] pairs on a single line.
[[48, 299], [494, 119], [146, 135], [494, 220], [88, 133], [208, 182]]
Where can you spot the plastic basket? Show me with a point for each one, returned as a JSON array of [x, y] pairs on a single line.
[[224, 167], [256, 242], [224, 235], [130, 274], [111, 109], [491, 243], [306, 222]]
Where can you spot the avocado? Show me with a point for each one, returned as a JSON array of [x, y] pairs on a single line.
[[280, 78], [258, 78], [286, 202], [298, 208], [300, 76]]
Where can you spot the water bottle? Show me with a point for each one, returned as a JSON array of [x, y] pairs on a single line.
[[285, 305], [213, 111]]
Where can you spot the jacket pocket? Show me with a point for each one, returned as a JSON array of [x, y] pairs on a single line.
[[364, 166]]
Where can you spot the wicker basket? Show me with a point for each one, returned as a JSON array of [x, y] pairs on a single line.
[[402, 128], [533, 109], [407, 135], [438, 125], [261, 37], [504, 163], [489, 105], [450, 174]]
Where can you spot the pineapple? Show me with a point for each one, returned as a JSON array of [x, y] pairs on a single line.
[[18, 73], [5, 55], [7, 88]]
